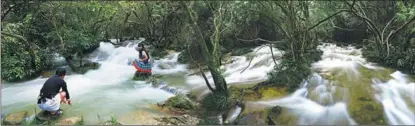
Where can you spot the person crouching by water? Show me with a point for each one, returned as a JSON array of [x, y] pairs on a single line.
[[50, 96], [143, 65]]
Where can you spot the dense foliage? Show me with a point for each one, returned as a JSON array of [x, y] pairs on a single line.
[[33, 32]]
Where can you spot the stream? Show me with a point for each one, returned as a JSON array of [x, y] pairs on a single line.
[[330, 97]]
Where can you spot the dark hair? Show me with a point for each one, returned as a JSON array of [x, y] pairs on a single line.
[[61, 71], [141, 45], [140, 51]]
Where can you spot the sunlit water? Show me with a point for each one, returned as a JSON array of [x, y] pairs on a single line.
[[106, 91]]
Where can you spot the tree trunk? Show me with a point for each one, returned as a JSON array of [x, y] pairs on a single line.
[[219, 80]]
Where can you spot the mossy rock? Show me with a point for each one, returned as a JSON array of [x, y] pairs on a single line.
[[71, 121], [44, 117], [218, 102], [15, 118], [259, 117], [178, 120], [261, 93], [138, 76], [362, 106], [270, 116], [86, 67], [180, 102]]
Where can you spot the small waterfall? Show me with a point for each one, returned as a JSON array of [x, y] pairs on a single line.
[[234, 113], [100, 91], [396, 96], [255, 73]]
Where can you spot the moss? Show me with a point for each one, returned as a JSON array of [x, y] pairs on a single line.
[[262, 93], [362, 106], [141, 76], [217, 101], [272, 92], [179, 102], [86, 67]]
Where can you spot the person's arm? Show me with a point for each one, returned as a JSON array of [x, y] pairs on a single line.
[[145, 56], [65, 89]]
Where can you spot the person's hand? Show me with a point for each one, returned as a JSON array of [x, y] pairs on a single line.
[[69, 101]]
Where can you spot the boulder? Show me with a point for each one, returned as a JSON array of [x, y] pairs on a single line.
[[15, 118], [273, 115], [46, 116], [178, 120], [263, 117], [141, 76], [71, 121], [87, 66], [164, 66], [179, 103]]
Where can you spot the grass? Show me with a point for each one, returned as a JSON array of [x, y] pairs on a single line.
[[111, 121]]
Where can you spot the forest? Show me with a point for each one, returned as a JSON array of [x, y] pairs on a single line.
[[208, 33]]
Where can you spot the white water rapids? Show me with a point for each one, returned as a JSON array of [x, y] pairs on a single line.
[[106, 91], [109, 90]]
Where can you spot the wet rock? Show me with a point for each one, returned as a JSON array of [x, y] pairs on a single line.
[[82, 66], [141, 76], [88, 66], [273, 115], [46, 116], [178, 120], [164, 66], [254, 118], [15, 118], [179, 102], [261, 117], [71, 121]]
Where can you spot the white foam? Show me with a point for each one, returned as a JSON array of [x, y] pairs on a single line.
[[257, 70], [391, 94]]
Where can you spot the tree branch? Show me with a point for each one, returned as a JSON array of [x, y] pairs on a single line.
[[200, 69], [321, 21], [272, 54], [14, 35], [252, 59], [345, 29], [259, 39], [400, 28], [386, 27]]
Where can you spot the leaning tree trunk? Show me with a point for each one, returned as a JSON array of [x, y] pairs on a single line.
[[219, 80]]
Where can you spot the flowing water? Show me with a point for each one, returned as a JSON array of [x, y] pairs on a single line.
[[106, 91], [327, 98], [329, 101]]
